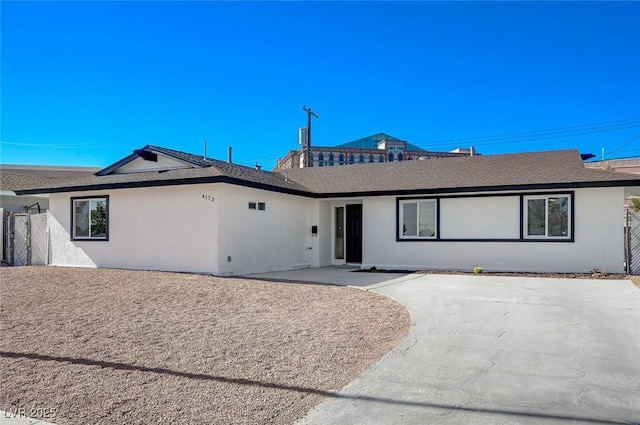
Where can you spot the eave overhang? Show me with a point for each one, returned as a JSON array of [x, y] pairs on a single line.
[[347, 194]]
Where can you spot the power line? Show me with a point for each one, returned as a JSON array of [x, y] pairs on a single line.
[[577, 128], [531, 139], [627, 156], [543, 134], [529, 136], [618, 149], [52, 145]]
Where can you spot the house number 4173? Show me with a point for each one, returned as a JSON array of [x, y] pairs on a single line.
[[207, 198]]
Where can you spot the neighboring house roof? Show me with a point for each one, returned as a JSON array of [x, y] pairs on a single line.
[[51, 171], [371, 142], [624, 165], [537, 170], [15, 181]]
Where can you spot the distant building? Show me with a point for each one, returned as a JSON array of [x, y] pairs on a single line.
[[627, 165], [379, 147]]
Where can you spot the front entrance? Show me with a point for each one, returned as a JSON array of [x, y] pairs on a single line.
[[353, 227]]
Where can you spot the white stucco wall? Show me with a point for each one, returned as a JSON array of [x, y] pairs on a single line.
[[161, 228], [194, 228], [598, 239], [325, 233], [278, 238], [181, 228], [463, 218]]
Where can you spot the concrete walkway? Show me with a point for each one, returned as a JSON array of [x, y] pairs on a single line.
[[497, 350]]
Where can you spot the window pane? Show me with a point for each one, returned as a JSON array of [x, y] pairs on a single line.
[[536, 217], [81, 218], [409, 219], [427, 218], [98, 218], [559, 216], [262, 206]]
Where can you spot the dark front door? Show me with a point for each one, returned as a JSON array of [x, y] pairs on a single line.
[[354, 233]]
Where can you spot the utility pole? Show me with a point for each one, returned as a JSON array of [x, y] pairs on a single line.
[[307, 153]]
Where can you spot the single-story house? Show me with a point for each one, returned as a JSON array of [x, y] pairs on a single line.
[[164, 209]]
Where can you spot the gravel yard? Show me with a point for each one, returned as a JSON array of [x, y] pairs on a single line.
[[115, 346]]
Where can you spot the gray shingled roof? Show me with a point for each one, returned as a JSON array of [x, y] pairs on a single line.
[[15, 181], [213, 171], [184, 156], [194, 160], [552, 169], [486, 172]]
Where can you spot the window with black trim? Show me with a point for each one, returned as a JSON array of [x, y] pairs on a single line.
[[547, 216], [418, 219], [257, 206], [90, 218]]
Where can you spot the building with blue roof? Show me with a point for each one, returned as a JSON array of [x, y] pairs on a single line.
[[379, 147]]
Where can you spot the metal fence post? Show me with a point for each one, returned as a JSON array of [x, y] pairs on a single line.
[[627, 231]]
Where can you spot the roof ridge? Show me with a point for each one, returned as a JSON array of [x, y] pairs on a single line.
[[200, 160], [224, 166]]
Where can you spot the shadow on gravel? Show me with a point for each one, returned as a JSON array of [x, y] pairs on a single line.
[[332, 394]]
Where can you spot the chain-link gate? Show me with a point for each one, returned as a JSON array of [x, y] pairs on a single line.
[[27, 239], [20, 241], [39, 240], [632, 241], [4, 252]]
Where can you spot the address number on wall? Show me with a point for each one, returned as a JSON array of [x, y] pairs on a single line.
[[208, 198]]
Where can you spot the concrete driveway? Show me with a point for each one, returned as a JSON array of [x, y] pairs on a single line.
[[500, 350]]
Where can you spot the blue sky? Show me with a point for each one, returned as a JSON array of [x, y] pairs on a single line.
[[85, 83]]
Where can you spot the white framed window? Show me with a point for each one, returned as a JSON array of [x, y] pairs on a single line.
[[90, 218], [418, 219], [252, 205], [547, 216], [262, 206]]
